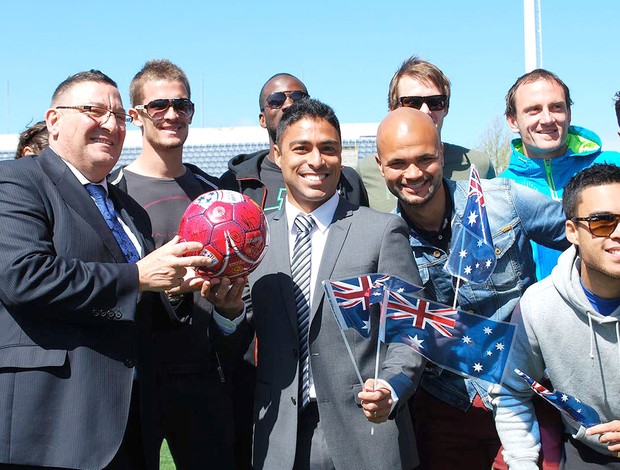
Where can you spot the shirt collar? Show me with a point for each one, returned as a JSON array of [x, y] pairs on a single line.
[[83, 180], [323, 215]]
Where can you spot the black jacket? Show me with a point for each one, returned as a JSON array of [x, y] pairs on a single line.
[[243, 175]]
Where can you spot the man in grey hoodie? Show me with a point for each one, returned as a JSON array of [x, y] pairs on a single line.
[[568, 327]]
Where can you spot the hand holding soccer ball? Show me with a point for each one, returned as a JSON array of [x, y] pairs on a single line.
[[232, 229]]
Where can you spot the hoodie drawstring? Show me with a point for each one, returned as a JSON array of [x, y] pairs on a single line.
[[618, 340], [591, 336]]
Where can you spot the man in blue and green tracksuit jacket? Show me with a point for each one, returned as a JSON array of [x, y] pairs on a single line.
[[549, 151]]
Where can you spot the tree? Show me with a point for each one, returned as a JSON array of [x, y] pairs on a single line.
[[495, 142]]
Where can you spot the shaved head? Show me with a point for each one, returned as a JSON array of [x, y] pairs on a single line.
[[410, 158], [405, 126]]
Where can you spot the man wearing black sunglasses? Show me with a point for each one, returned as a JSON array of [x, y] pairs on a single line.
[[196, 415], [421, 85], [568, 328], [256, 174]]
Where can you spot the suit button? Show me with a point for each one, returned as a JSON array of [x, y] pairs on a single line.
[[294, 401], [118, 315], [129, 363]]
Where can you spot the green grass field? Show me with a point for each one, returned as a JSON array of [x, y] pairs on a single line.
[[165, 459]]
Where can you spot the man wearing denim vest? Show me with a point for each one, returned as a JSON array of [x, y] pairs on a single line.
[[453, 423]]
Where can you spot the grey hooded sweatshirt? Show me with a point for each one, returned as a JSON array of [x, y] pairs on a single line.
[[558, 332]]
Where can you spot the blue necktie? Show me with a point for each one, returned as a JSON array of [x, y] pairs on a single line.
[[105, 206], [300, 270]]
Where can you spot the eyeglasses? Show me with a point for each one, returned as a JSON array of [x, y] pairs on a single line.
[[276, 100], [602, 225], [156, 109], [434, 102], [100, 114]]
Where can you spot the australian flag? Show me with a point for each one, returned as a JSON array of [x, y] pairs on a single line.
[[464, 343], [472, 256], [351, 298], [567, 404]]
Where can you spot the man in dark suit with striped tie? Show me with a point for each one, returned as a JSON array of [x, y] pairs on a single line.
[[78, 293]]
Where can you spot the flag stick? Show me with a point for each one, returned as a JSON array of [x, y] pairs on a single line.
[[458, 278], [380, 338], [456, 291], [334, 307]]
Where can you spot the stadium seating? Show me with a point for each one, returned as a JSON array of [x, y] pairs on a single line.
[[213, 157]]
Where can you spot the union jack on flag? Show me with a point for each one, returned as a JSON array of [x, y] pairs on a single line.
[[422, 313], [472, 255], [353, 292], [464, 343], [567, 404], [351, 298]]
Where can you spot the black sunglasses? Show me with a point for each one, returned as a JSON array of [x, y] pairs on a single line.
[[434, 102], [276, 100], [602, 225], [156, 109]]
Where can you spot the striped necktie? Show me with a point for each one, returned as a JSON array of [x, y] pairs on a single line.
[[300, 269], [105, 206]]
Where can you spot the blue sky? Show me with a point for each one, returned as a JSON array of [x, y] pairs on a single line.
[[345, 52]]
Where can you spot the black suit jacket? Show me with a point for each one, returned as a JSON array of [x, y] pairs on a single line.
[[71, 328]]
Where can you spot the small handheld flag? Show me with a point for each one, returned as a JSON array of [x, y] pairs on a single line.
[[472, 255], [464, 343], [351, 298], [567, 404]]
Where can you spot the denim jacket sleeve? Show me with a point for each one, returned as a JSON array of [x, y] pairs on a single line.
[[542, 218]]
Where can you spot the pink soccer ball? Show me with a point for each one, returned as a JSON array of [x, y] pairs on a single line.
[[232, 229]]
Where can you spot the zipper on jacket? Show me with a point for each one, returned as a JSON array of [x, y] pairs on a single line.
[[550, 181]]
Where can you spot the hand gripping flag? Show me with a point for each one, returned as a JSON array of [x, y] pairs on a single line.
[[472, 256], [464, 343], [567, 404], [351, 298]]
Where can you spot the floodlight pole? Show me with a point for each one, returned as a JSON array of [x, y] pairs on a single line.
[[532, 34]]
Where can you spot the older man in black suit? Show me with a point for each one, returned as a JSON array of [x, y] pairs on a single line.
[[78, 293]]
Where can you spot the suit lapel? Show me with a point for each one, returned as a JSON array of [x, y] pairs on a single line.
[[128, 219], [76, 196], [338, 231], [279, 235]]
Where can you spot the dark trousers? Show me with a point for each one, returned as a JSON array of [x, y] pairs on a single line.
[[311, 452], [450, 439], [197, 419], [243, 379]]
